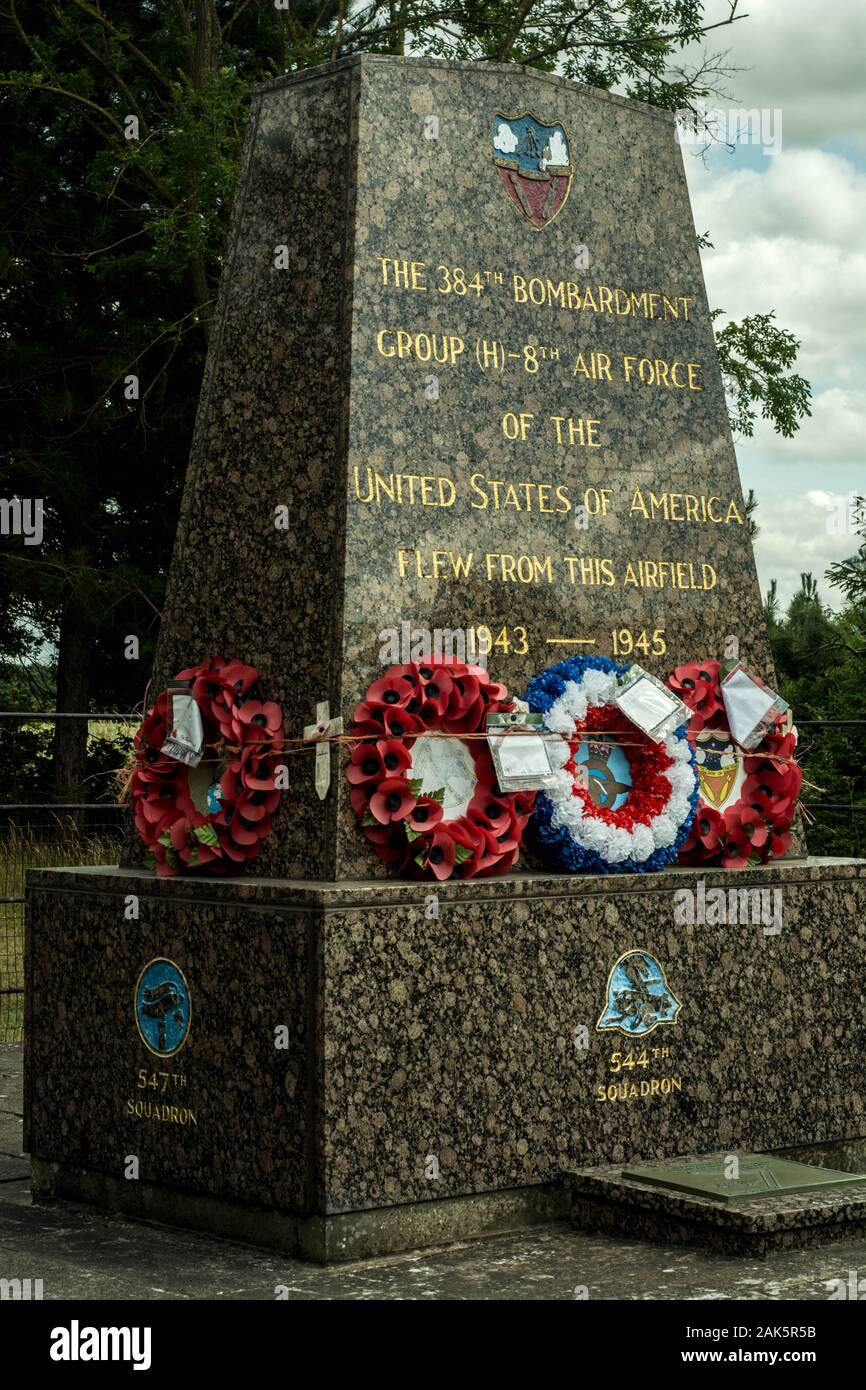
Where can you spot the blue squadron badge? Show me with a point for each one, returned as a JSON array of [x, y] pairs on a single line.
[[604, 769], [639, 997], [533, 161], [162, 1007]]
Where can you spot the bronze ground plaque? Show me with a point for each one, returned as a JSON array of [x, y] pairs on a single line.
[[755, 1175]]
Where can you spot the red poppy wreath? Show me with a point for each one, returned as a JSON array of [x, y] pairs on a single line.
[[430, 806], [747, 800], [214, 815]]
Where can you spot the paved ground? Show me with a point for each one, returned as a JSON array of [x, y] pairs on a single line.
[[82, 1254]]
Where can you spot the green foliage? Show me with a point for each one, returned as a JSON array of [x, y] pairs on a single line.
[[850, 575], [26, 761], [820, 659], [755, 357]]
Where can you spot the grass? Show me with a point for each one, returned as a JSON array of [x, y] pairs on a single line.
[[21, 850]]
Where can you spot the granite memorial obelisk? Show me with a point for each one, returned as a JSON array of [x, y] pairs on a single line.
[[463, 377]]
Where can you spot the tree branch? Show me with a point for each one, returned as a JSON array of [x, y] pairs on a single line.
[[680, 37], [522, 11], [122, 38]]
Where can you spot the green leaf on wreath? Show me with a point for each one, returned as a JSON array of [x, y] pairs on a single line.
[[438, 795], [421, 858], [415, 785], [172, 859], [150, 861], [193, 860], [368, 818], [462, 853], [410, 833], [165, 839], [206, 835]]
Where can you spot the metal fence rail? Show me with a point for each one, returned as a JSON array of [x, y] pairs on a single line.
[[24, 716], [47, 824], [11, 969]]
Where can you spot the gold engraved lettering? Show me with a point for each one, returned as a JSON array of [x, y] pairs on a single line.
[[669, 574], [404, 275], [523, 496], [580, 432], [437, 564], [631, 1090], [161, 1112], [598, 369], [517, 426], [590, 571], [442, 348], [656, 371], [598, 299], [523, 569], [685, 506]]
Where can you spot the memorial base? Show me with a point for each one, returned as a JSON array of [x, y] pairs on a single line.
[[368, 1067], [333, 1239], [605, 1202]]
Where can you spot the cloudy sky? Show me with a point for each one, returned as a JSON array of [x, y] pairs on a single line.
[[788, 232]]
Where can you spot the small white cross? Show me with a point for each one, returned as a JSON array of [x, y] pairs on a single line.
[[324, 728]]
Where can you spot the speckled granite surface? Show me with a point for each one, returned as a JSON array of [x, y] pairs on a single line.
[[458, 1038], [309, 380], [85, 1253], [606, 1202]]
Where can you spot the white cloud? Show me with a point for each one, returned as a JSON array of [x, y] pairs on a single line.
[[800, 533], [790, 239], [834, 434], [557, 150], [803, 60], [505, 140], [811, 195]]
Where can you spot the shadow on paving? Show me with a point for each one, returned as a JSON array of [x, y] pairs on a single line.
[[80, 1253]]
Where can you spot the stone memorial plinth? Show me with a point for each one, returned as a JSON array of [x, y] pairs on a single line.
[[462, 378], [438, 1075]]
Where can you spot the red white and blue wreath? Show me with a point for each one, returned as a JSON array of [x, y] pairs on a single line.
[[620, 803]]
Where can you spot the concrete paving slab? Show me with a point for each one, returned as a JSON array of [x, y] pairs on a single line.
[[84, 1254], [13, 1169]]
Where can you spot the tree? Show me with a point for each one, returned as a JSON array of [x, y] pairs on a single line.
[[820, 660], [850, 575], [755, 357], [121, 132]]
